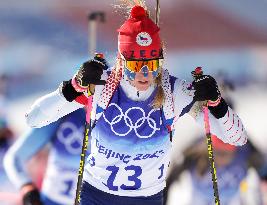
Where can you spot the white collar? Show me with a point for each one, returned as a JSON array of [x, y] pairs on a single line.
[[132, 93]]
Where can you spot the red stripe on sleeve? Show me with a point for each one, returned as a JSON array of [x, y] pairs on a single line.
[[228, 114], [238, 139], [236, 130], [232, 123], [240, 135]]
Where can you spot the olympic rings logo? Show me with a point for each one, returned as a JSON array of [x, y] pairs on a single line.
[[70, 135], [130, 124]]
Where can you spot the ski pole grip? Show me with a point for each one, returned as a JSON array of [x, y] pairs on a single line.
[[101, 58], [198, 72], [99, 55]]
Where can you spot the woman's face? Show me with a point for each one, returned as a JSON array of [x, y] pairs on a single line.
[[141, 81]]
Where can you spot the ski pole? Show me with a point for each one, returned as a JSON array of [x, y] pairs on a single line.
[[92, 18], [83, 154], [196, 74], [157, 12], [87, 134], [92, 28]]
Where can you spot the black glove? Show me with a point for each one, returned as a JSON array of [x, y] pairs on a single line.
[[89, 73], [32, 198], [206, 88]]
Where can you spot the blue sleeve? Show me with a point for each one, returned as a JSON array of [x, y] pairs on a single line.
[[24, 149]]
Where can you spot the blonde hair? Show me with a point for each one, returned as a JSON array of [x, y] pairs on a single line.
[[160, 96]]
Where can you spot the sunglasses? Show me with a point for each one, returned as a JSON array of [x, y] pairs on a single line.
[[135, 65]]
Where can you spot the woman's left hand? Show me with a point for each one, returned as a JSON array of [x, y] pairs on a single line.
[[206, 88]]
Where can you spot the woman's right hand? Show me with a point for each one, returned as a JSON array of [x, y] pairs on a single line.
[[90, 73]]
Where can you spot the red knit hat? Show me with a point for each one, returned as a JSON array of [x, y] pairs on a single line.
[[220, 145], [139, 36]]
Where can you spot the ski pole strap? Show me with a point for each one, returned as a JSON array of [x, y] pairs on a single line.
[[89, 109]]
